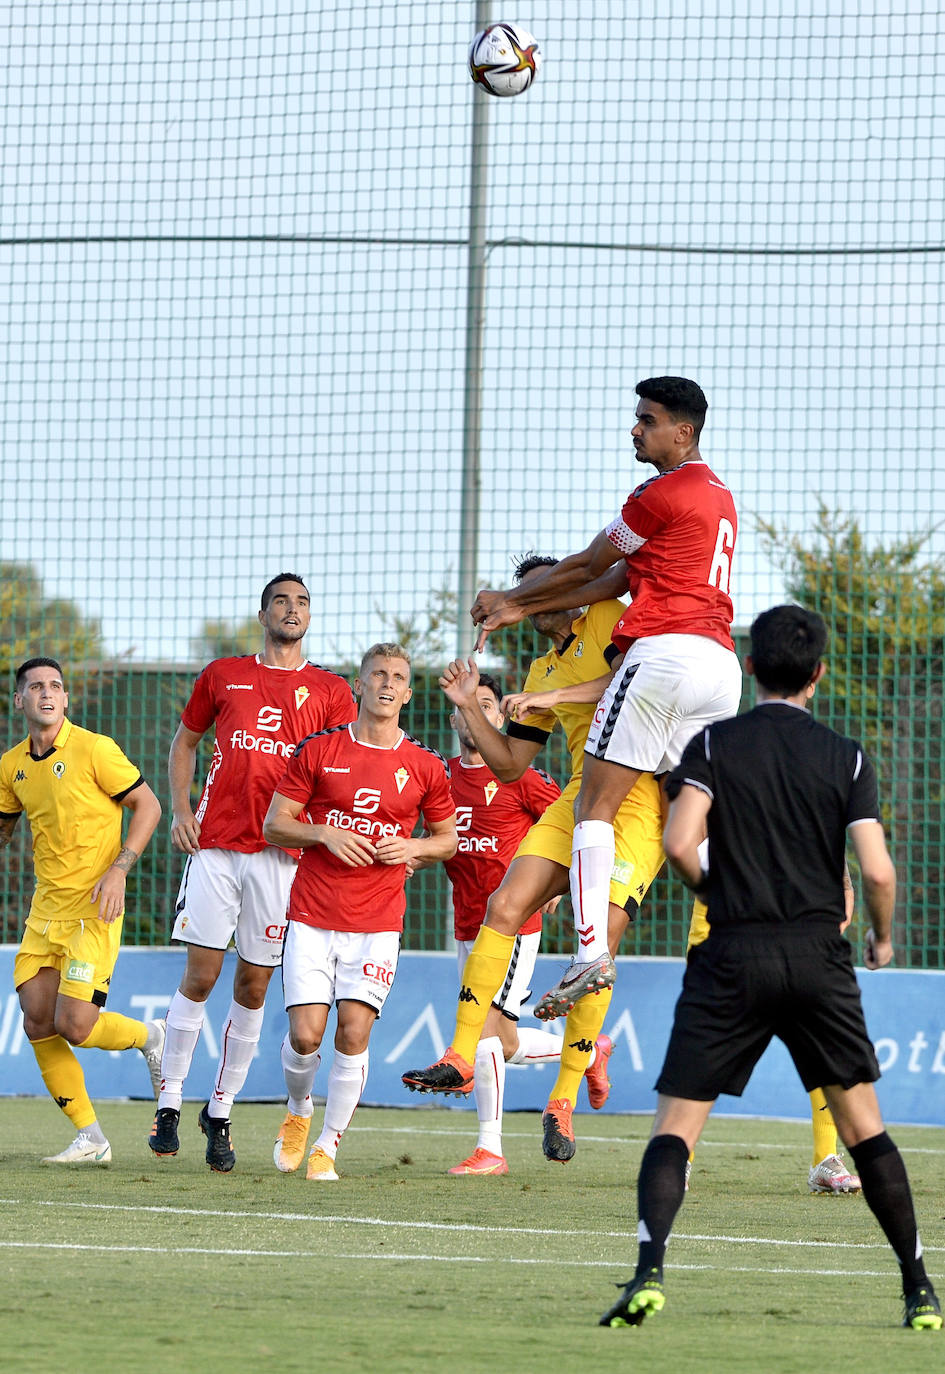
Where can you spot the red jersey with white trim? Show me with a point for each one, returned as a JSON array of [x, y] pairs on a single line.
[[492, 819], [677, 534], [260, 714], [374, 792]]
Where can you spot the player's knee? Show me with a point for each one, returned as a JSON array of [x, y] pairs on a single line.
[[504, 914], [73, 1029], [304, 1042]]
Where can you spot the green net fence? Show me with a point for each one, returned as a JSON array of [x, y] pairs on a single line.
[[281, 290]]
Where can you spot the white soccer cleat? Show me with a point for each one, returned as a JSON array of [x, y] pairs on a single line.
[[83, 1150], [832, 1176], [153, 1051]]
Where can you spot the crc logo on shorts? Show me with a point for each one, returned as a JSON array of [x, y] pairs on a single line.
[[366, 801], [77, 972], [269, 719], [58, 769], [622, 871], [380, 974], [275, 934]]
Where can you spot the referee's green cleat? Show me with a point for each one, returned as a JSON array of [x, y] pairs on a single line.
[[642, 1296], [922, 1310]]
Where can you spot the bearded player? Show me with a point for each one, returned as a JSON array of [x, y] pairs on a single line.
[[363, 789], [235, 886]]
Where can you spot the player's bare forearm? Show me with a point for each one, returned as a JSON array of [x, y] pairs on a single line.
[[517, 705], [145, 814], [684, 832], [562, 586], [181, 766], [7, 827], [508, 757]]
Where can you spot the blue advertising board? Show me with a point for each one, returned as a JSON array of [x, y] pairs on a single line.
[[905, 1012]]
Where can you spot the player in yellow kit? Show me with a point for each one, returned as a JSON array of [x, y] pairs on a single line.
[[582, 652], [73, 786]]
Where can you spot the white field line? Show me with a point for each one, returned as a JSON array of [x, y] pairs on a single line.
[[320, 1255], [448, 1227], [746, 1144]]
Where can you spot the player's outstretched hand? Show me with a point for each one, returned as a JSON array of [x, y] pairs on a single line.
[[517, 705], [185, 832], [356, 851], [460, 681], [490, 612], [877, 953]]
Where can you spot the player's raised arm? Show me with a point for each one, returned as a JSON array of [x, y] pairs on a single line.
[[181, 766], [508, 757], [577, 580]]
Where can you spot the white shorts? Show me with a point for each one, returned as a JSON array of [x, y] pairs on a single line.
[[668, 688], [324, 966], [516, 989], [225, 895]]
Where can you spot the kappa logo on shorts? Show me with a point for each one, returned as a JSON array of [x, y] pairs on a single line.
[[77, 972]]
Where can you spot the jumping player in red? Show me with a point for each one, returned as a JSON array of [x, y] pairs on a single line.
[[492, 818], [363, 789], [235, 885], [679, 673]]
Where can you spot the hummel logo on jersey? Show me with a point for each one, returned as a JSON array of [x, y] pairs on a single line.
[[490, 789], [467, 995], [20, 776], [326, 768], [239, 686], [584, 1046], [302, 695], [401, 778]]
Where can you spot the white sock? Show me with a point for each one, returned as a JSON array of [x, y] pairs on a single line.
[[94, 1133], [238, 1040], [184, 1024], [489, 1090], [345, 1086], [592, 862], [299, 1071], [537, 1047]]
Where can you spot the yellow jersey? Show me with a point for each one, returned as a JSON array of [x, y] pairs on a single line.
[[580, 660], [72, 799]]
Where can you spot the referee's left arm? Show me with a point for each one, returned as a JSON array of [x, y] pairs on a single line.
[[685, 830]]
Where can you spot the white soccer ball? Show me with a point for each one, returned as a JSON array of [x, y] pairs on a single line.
[[504, 59]]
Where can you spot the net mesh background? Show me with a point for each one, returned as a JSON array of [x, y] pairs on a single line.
[[235, 266]]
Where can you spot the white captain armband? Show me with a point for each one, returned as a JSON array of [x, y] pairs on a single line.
[[622, 536]]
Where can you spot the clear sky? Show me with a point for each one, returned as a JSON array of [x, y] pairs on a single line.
[[233, 264]]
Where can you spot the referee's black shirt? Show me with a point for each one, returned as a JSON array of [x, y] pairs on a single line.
[[784, 788]]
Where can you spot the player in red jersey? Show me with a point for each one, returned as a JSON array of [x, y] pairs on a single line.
[[492, 818], [235, 885], [363, 789], [680, 672]]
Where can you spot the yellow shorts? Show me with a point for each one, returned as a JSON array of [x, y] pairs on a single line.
[[698, 926], [638, 833], [84, 952]]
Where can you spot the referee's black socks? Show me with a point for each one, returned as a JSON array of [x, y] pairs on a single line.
[[889, 1197], [661, 1188]]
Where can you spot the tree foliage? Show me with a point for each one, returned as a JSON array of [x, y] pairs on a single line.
[[33, 624]]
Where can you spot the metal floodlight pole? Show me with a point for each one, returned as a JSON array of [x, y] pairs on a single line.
[[475, 313]]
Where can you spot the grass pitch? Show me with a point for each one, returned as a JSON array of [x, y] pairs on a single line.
[[149, 1265]]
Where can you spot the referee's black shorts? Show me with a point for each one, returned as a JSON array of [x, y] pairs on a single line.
[[744, 985]]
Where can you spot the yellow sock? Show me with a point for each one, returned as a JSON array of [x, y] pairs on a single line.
[[486, 967], [64, 1079], [825, 1130], [112, 1031], [581, 1029]]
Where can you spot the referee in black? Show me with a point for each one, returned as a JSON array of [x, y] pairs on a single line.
[[778, 795]]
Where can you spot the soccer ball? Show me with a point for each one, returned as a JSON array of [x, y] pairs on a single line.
[[504, 59]]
